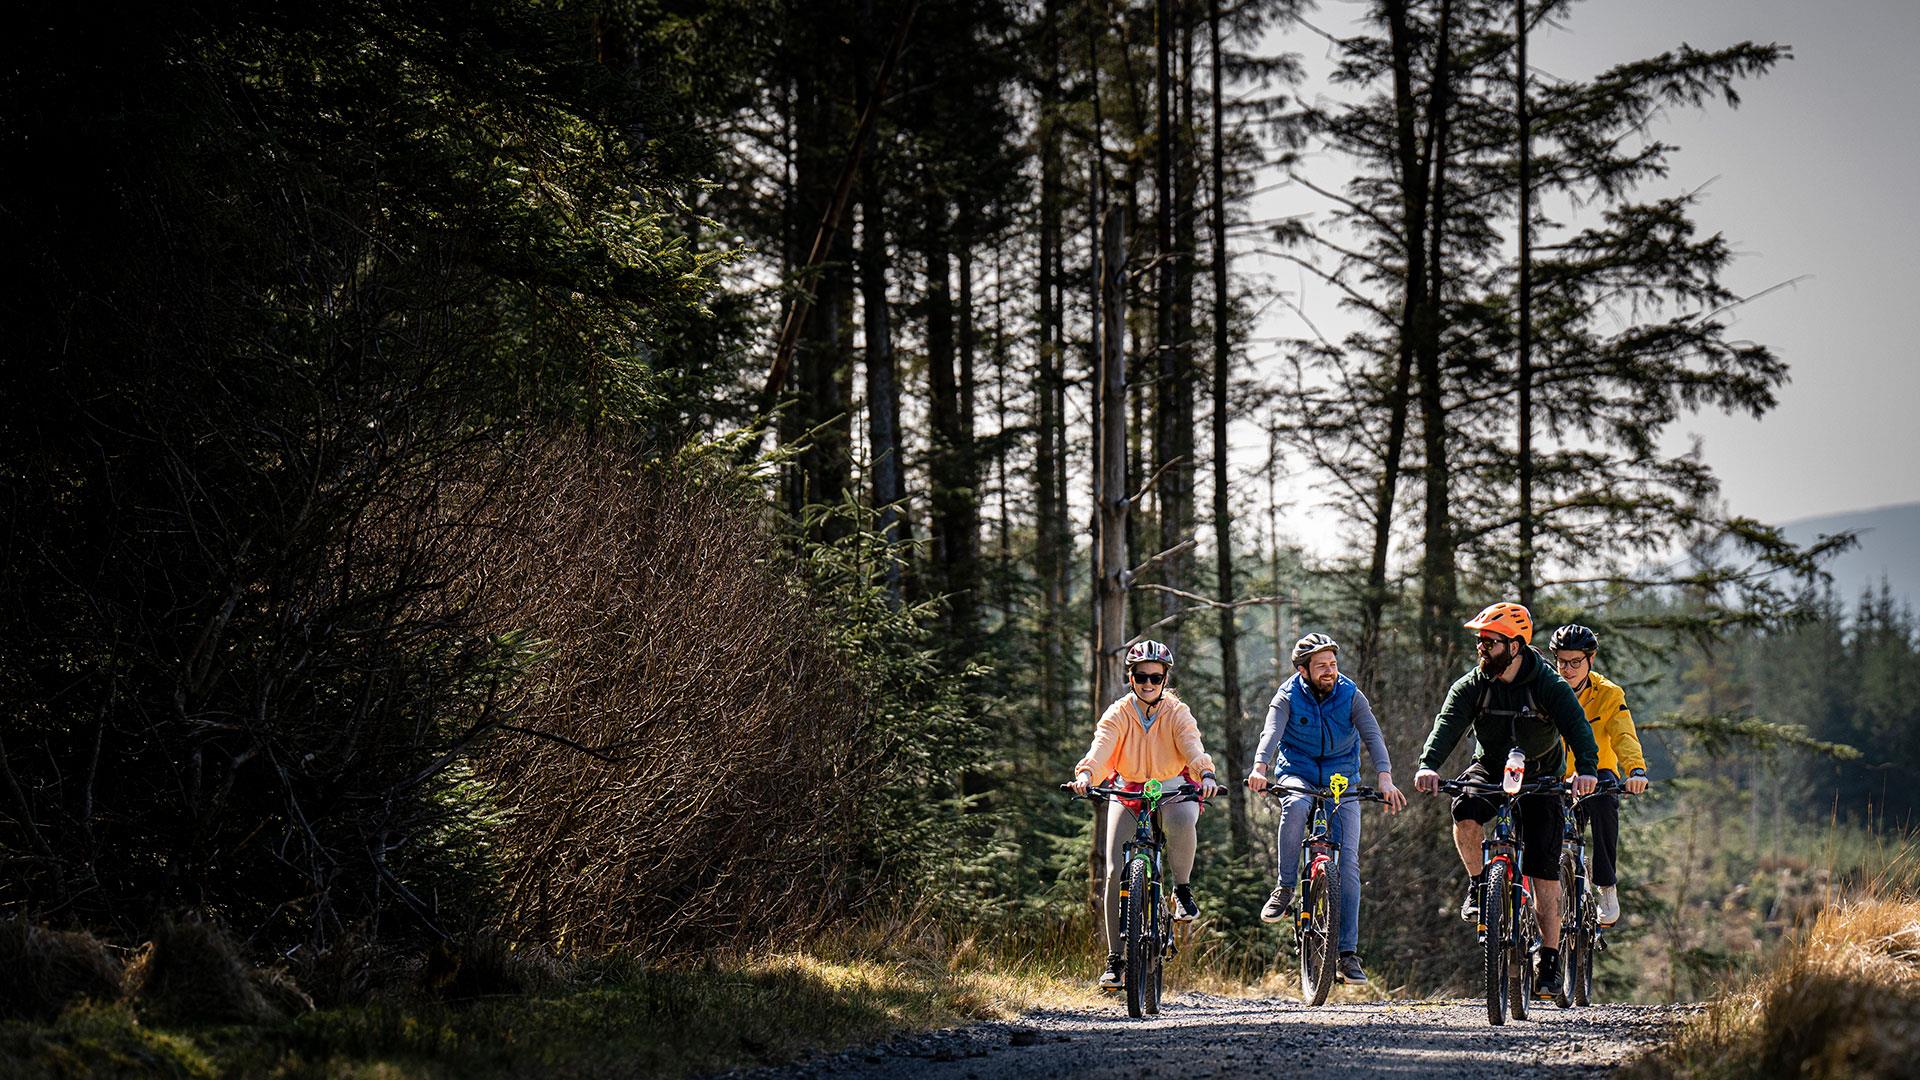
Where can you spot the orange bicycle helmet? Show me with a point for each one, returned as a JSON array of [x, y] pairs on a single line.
[[1504, 618]]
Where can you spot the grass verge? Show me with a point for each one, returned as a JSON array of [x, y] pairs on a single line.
[[1842, 1001], [618, 1020]]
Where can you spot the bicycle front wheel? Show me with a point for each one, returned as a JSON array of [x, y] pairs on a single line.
[[1583, 970], [1139, 929], [1573, 942], [1319, 954], [1496, 902], [1526, 932]]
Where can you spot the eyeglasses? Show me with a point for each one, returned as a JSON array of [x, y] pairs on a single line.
[[1148, 678], [1578, 661]]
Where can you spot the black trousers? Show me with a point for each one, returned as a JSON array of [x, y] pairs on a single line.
[[1603, 813]]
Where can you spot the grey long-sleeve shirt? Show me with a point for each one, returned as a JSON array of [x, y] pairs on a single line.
[[1280, 711]]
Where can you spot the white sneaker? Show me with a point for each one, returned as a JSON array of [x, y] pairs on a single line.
[[1609, 905]]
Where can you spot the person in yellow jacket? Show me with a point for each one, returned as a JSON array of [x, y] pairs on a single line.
[[1574, 647], [1149, 734]]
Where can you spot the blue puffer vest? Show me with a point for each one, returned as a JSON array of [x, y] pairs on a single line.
[[1321, 738]]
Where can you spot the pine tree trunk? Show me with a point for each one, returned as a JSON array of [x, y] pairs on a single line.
[[1235, 724], [1526, 303], [1050, 531], [1420, 331], [883, 397], [950, 530], [1167, 430], [1109, 497]]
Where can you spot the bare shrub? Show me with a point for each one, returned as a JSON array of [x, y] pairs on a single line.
[[692, 753], [192, 971], [43, 971]]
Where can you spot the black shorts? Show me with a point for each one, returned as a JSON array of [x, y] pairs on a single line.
[[1539, 817]]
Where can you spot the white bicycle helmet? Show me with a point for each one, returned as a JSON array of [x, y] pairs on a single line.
[[1149, 651], [1311, 644]]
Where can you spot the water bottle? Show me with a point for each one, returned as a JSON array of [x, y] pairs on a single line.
[[1516, 771]]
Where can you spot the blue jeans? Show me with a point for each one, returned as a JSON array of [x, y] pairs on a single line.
[[1296, 812]]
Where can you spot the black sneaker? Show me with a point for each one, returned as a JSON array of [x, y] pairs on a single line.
[[1546, 975], [1279, 906], [1470, 907], [1184, 908], [1116, 974], [1350, 970]]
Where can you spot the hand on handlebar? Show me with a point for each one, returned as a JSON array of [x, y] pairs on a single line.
[[1426, 780], [1585, 783], [1257, 779], [1080, 784], [1209, 787], [1634, 785], [1395, 799]]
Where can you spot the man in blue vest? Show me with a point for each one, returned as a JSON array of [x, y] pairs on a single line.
[[1315, 726]]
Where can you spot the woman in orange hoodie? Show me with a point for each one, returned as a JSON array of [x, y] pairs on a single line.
[[1149, 734]]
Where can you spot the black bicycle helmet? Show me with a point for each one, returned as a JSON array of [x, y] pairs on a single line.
[[1574, 638], [1311, 644]]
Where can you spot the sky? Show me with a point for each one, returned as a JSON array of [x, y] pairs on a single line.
[[1814, 180]]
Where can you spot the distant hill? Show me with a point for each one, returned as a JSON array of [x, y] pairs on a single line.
[[1889, 547]]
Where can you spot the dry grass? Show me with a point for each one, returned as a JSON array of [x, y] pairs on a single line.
[[192, 971], [43, 971], [1842, 1001]]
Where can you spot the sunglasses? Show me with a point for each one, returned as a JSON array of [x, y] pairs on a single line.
[[1489, 642], [1149, 678]]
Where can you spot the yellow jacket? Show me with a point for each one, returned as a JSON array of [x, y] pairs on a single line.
[[1606, 706], [1124, 747]]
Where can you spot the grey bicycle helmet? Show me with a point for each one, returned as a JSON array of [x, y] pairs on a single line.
[[1574, 638], [1311, 644]]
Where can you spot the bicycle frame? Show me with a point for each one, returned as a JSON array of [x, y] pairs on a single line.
[[1142, 986], [1513, 931], [1318, 874], [1581, 934]]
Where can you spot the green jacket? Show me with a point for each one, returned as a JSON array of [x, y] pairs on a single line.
[[1504, 714]]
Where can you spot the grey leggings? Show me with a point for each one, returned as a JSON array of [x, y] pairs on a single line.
[[1180, 821]]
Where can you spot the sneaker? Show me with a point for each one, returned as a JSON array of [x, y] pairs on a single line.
[[1184, 908], [1546, 976], [1115, 977], [1279, 905], [1470, 907], [1350, 970], [1609, 905]]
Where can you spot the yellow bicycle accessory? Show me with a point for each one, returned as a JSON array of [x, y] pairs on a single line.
[[1337, 785]]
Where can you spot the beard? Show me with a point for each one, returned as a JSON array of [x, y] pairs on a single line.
[[1325, 684], [1495, 663]]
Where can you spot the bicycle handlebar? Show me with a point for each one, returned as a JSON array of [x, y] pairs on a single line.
[[1470, 787], [1357, 794], [1183, 793]]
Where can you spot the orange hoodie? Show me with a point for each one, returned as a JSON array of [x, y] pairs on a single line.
[[1124, 747]]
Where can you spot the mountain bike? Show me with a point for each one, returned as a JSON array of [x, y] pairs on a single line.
[[1581, 935], [1316, 926], [1146, 916], [1509, 927]]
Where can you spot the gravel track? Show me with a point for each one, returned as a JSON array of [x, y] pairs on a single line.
[[1203, 1035]]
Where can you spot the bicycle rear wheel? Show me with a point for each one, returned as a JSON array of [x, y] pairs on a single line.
[[1573, 943], [1315, 933], [1496, 901]]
